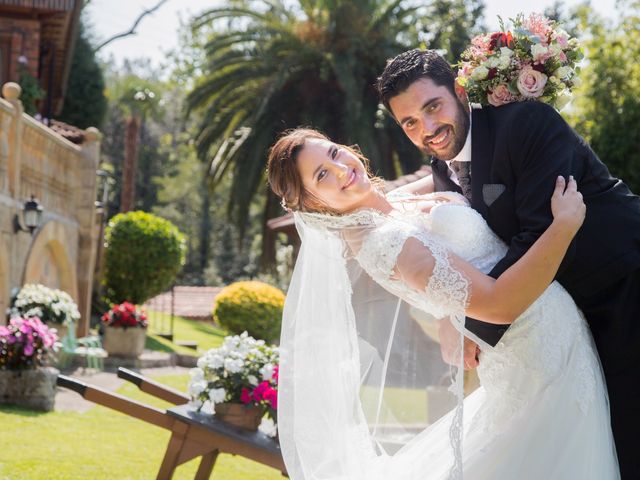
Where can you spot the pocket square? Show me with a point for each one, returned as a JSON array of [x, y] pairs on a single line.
[[491, 191]]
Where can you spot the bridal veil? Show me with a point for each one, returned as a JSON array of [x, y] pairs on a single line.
[[362, 371]]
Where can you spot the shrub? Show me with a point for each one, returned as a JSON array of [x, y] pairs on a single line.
[[143, 255], [25, 343], [48, 304], [252, 306]]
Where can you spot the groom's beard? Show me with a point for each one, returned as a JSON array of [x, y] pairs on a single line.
[[460, 129]]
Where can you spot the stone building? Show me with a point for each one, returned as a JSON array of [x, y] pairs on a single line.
[[56, 164]]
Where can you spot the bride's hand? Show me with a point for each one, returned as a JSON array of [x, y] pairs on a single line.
[[567, 205]]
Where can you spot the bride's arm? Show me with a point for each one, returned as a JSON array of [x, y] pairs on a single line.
[[502, 300]]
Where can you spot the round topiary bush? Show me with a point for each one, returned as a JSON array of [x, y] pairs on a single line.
[[143, 255], [252, 306]]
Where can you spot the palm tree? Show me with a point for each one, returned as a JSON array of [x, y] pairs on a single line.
[[278, 64]]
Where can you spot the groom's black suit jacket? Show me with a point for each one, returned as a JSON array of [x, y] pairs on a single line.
[[518, 150]]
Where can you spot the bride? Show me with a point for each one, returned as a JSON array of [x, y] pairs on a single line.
[[374, 319]]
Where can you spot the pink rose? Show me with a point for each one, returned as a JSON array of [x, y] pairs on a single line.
[[531, 83], [500, 96]]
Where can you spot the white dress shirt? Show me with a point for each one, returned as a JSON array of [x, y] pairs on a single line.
[[463, 156]]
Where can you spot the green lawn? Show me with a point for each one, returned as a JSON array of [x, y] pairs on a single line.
[[100, 444], [206, 334]]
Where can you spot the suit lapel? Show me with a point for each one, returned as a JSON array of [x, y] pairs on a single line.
[[481, 158]]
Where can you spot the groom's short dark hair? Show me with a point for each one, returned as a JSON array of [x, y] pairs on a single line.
[[404, 69]]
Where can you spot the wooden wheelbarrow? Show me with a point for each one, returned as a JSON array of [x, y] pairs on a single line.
[[193, 434]]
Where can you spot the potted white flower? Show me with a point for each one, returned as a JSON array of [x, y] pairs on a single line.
[[53, 307], [238, 382]]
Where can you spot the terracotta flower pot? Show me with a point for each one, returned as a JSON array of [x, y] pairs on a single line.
[[239, 415], [124, 342], [33, 388]]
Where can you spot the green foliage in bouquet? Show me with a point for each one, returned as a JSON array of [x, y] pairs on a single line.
[[143, 255], [252, 306]]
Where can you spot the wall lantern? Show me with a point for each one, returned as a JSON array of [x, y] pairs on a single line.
[[31, 215]]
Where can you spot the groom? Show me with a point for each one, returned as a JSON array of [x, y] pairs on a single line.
[[505, 160]]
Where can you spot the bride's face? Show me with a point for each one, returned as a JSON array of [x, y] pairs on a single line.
[[333, 174]]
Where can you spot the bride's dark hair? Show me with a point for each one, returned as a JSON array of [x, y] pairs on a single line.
[[285, 179]]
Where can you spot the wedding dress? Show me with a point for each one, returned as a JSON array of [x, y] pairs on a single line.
[[541, 411]]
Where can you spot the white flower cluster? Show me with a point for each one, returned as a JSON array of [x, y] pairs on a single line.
[[48, 304], [241, 362]]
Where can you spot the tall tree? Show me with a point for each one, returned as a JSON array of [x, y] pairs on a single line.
[[607, 106], [85, 104], [277, 64]]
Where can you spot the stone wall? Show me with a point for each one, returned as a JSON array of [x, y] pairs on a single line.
[[34, 160]]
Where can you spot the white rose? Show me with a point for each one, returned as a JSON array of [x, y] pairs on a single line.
[[480, 73], [563, 72], [504, 63], [531, 83], [506, 52], [252, 380], [217, 395], [492, 62], [539, 52]]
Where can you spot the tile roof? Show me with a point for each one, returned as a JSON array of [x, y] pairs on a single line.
[[189, 302]]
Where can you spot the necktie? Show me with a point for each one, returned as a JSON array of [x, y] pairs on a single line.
[[463, 172]]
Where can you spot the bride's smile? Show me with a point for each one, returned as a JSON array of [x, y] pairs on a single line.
[[334, 175]]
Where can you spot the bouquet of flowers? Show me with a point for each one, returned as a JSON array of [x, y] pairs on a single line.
[[243, 370], [535, 61], [48, 304], [125, 315], [25, 343]]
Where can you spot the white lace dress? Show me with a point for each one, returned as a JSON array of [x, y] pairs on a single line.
[[541, 411]]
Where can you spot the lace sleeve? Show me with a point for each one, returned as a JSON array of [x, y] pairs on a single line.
[[411, 264]]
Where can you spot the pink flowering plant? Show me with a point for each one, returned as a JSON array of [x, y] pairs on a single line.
[[25, 343], [536, 60], [125, 315], [243, 370]]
